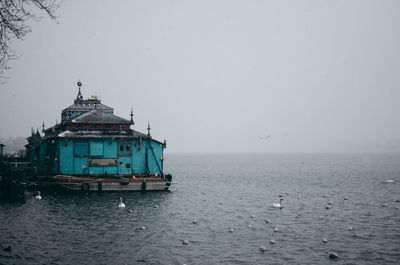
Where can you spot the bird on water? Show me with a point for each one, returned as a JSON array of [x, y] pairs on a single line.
[[278, 205], [38, 196], [121, 204]]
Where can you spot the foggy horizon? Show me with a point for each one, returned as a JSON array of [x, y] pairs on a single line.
[[219, 76]]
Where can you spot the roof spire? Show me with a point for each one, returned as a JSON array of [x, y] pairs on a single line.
[[43, 127], [148, 129], [79, 96], [132, 116]]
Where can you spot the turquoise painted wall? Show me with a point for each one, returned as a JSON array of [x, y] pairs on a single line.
[[138, 157], [142, 152], [110, 149], [66, 156], [154, 155], [70, 157]]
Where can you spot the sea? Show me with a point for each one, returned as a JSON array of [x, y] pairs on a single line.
[[337, 209]]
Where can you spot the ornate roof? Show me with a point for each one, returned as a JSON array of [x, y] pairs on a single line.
[[81, 105], [99, 116], [88, 104], [101, 134]]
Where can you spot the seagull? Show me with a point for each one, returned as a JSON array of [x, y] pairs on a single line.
[[272, 241], [263, 248], [121, 204], [265, 138], [278, 205], [38, 197], [185, 242]]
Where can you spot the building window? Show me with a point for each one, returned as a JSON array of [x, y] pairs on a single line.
[[96, 148], [81, 148], [124, 148]]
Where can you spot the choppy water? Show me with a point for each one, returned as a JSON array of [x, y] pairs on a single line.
[[222, 192]]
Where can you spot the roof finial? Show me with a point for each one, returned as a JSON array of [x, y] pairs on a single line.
[[79, 96], [132, 122], [43, 127], [148, 128]]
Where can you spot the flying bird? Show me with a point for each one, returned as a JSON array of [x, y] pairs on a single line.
[[265, 137]]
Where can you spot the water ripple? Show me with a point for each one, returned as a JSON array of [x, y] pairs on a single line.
[[222, 192]]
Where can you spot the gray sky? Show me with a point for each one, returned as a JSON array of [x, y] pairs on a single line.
[[215, 76]]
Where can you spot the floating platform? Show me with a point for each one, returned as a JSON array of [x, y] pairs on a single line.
[[87, 184]]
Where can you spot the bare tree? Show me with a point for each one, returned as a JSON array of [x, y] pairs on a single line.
[[14, 18]]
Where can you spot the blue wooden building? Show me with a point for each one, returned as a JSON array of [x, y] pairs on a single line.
[[91, 141]]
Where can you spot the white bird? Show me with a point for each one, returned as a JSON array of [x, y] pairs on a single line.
[[231, 230], [272, 241], [278, 205], [185, 241], [263, 248], [389, 181], [38, 197], [121, 204]]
